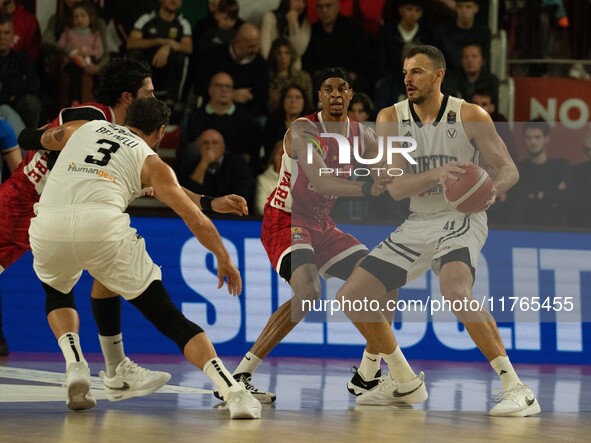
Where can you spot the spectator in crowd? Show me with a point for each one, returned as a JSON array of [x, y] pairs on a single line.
[[337, 41], [267, 181], [360, 108], [56, 57], [242, 61], [399, 31], [294, 104], [288, 21], [450, 38], [546, 190], [252, 11], [283, 72], [19, 84], [485, 99], [220, 113], [163, 39], [224, 30], [26, 34], [11, 155], [473, 74], [368, 13], [83, 43], [209, 169], [582, 214]]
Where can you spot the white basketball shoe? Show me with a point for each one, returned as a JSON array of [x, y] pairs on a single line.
[[242, 404], [131, 380], [78, 387], [516, 401], [390, 391]]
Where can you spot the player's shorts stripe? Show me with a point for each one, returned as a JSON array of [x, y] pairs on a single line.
[[390, 245], [407, 249], [463, 229]]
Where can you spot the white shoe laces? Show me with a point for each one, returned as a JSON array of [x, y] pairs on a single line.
[[129, 368], [511, 393]]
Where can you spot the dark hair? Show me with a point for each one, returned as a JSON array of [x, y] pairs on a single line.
[[485, 93], [431, 52], [229, 7], [360, 97], [90, 10], [282, 25], [5, 18], [119, 76], [538, 123], [305, 110], [272, 59], [148, 114], [341, 73]]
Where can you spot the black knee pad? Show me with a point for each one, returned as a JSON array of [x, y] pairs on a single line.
[[55, 299], [294, 260], [155, 304]]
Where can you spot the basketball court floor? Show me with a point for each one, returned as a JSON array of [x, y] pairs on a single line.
[[312, 405]]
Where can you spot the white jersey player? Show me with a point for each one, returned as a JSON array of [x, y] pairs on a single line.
[[80, 225], [435, 235]]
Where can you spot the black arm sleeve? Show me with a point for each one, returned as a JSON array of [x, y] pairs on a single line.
[[30, 139]]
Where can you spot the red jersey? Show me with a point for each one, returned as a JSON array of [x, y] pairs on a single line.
[[295, 193]]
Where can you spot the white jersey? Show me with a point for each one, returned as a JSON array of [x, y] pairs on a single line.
[[437, 144], [100, 164]]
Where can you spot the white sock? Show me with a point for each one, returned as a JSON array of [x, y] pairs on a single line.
[[370, 363], [505, 371], [221, 377], [249, 364], [113, 352], [398, 366], [70, 346]]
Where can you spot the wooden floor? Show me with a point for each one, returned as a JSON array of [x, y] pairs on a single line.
[[312, 405]]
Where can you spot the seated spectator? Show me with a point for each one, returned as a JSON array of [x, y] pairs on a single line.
[[11, 156], [582, 214], [472, 75], [242, 61], [484, 99], [267, 181], [224, 30], [283, 72], [26, 31], [337, 41], [55, 57], [220, 113], [288, 21], [252, 11], [450, 38], [360, 108], [294, 105], [83, 43], [207, 168], [368, 13], [163, 38], [19, 84], [545, 192]]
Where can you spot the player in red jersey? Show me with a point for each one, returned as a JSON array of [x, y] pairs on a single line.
[[120, 82], [301, 239]]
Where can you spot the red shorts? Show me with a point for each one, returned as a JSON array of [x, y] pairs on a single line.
[[329, 245], [15, 218]]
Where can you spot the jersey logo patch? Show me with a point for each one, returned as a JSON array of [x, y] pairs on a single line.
[[451, 117], [451, 133]]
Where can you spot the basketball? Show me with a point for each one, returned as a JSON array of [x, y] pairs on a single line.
[[471, 191]]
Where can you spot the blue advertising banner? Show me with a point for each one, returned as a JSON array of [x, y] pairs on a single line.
[[536, 284]]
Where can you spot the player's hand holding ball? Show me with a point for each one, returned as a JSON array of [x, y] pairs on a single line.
[[470, 190]]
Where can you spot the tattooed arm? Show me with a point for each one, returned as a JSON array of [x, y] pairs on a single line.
[[52, 139]]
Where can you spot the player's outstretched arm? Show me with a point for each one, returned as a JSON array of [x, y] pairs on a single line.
[[296, 144], [51, 139], [166, 188], [227, 204]]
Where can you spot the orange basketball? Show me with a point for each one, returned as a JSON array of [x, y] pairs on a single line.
[[471, 191]]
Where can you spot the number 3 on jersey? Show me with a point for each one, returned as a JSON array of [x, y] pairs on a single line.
[[105, 151]]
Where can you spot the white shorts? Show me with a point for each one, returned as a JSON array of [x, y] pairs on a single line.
[[95, 239], [420, 242]]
